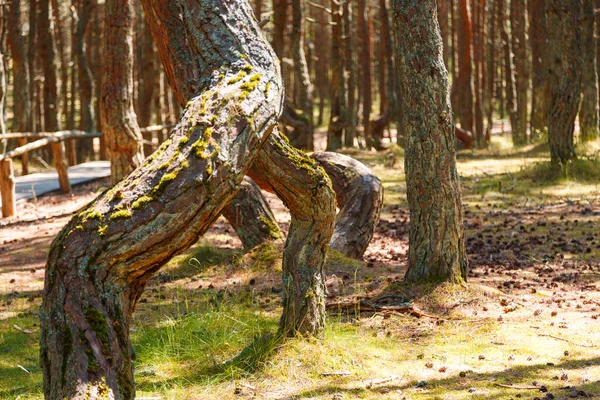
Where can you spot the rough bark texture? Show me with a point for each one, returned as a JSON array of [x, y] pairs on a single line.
[[302, 86], [565, 74], [462, 88], [306, 191], [21, 96], [509, 74], [251, 217], [337, 121], [99, 264], [443, 14], [491, 72], [540, 85], [436, 236], [359, 195], [588, 114], [350, 67], [364, 37], [519, 45], [86, 81], [119, 122], [147, 82]]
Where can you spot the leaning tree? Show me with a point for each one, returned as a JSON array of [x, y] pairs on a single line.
[[217, 60], [436, 234]]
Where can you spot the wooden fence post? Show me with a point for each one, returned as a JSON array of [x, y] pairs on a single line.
[[7, 188], [58, 150]]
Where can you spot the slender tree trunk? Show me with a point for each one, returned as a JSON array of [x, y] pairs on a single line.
[[509, 75], [337, 122], [565, 74], [436, 237], [322, 67], [350, 67], [518, 14], [3, 88], [540, 94], [443, 11], [50, 67], [21, 75], [478, 76], [588, 114], [492, 68], [31, 57], [147, 82], [462, 88], [364, 37], [303, 86], [121, 130], [86, 81]]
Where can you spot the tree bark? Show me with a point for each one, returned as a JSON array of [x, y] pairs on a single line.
[[462, 88], [337, 122], [509, 74], [99, 264], [364, 38], [121, 131], [540, 85], [251, 217], [519, 45], [436, 236], [443, 13], [588, 113], [21, 84], [565, 75], [146, 84], [350, 67], [492, 68]]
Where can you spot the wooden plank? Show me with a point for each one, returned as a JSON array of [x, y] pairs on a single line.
[[60, 136], [7, 188], [35, 135]]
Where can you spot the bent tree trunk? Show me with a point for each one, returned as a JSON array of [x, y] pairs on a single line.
[[436, 235], [359, 195], [100, 262], [251, 217]]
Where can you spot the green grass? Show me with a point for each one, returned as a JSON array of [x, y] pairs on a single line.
[[204, 328]]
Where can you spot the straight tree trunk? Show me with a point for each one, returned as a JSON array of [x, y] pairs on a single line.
[[540, 93], [478, 76], [588, 113], [462, 88], [121, 131], [436, 237], [47, 52], [303, 86], [351, 70], [86, 81], [492, 69], [146, 84], [443, 11], [518, 19], [364, 57], [337, 122], [509, 75], [21, 75], [565, 75]]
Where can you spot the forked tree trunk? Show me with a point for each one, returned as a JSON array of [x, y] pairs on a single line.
[[588, 113], [101, 261], [436, 236], [565, 74], [121, 131], [251, 217]]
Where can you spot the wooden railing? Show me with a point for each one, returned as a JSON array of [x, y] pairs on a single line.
[[55, 140]]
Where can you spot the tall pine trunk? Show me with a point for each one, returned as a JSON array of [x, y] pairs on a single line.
[[540, 85], [519, 47], [588, 114], [436, 236]]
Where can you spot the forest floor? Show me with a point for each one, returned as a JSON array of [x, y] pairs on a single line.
[[526, 325]]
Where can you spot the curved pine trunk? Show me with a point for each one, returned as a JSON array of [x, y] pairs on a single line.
[[436, 235], [101, 261]]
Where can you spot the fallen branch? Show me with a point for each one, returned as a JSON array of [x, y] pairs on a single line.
[[517, 387], [362, 305], [380, 381], [566, 340]]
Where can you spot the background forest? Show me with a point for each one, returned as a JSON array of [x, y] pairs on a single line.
[[87, 79]]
